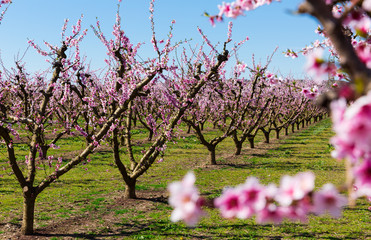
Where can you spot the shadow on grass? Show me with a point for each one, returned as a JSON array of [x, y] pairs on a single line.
[[167, 230], [266, 165], [164, 229]]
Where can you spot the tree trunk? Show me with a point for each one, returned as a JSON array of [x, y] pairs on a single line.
[[28, 214], [134, 120], [266, 136], [150, 135], [286, 131], [189, 129], [293, 127], [251, 141], [302, 123], [238, 145], [212, 157], [130, 189], [298, 126], [278, 133]]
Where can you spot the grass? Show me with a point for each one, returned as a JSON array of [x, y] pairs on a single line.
[[92, 190]]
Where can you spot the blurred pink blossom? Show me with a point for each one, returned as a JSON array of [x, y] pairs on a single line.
[[328, 200], [185, 199]]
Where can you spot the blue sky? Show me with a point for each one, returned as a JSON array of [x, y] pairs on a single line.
[[267, 27]]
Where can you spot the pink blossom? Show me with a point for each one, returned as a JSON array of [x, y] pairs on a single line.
[[229, 10], [228, 203], [185, 199], [356, 124], [242, 201], [328, 200], [317, 66], [352, 126], [252, 198], [299, 210], [295, 188], [271, 214], [310, 93], [337, 11], [246, 4], [366, 5], [291, 53], [364, 53], [362, 175], [358, 20]]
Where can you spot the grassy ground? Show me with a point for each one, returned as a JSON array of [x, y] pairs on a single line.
[[86, 203]]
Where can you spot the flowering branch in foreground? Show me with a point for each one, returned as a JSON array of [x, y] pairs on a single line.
[[294, 200]]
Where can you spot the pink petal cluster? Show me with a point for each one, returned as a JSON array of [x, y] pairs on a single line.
[[328, 200], [366, 5], [185, 199], [271, 79], [238, 7], [363, 178], [310, 93], [294, 199], [352, 126], [317, 66], [291, 53], [242, 201], [359, 21]]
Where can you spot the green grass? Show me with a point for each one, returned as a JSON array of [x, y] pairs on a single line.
[[92, 191]]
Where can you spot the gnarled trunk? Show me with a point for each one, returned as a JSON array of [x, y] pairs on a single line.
[[150, 135], [29, 200], [212, 157], [251, 141], [238, 145], [130, 189], [277, 133]]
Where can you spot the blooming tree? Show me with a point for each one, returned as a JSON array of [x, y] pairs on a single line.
[[49, 106]]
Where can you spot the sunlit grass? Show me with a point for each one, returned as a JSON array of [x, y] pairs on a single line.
[[92, 190]]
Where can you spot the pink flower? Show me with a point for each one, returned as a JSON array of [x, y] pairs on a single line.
[[243, 201], [228, 203], [246, 4], [317, 66], [352, 126], [328, 200], [366, 5], [299, 210], [229, 10], [310, 93], [252, 198], [295, 188], [364, 53], [185, 199], [362, 175], [291, 53], [271, 214]]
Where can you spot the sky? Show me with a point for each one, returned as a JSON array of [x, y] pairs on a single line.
[[267, 27]]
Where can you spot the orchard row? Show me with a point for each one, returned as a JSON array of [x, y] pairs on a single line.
[[196, 88]]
